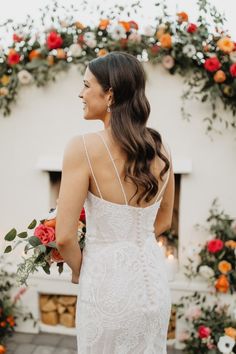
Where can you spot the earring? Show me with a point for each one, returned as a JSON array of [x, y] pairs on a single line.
[[108, 109]]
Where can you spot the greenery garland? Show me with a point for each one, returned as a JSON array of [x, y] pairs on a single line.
[[205, 57]]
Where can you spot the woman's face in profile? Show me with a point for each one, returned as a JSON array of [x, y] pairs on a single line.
[[95, 100]]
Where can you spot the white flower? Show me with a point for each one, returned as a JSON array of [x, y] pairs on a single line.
[[24, 77], [226, 344], [90, 39], [206, 272], [135, 37], [232, 56], [117, 32], [193, 313], [149, 31], [75, 50], [189, 50], [168, 62]]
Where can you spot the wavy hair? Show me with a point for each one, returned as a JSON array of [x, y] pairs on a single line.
[[130, 109]]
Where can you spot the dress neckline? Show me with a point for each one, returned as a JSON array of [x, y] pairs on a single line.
[[125, 205]]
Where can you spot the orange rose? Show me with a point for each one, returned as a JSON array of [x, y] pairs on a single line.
[[34, 54], [79, 25], [226, 45], [50, 60], [224, 267], [166, 41], [5, 79], [231, 332], [220, 76], [102, 52], [230, 243], [160, 33], [3, 324], [222, 284], [61, 54], [56, 256], [50, 223], [103, 24], [182, 17], [125, 24], [2, 349], [11, 321]]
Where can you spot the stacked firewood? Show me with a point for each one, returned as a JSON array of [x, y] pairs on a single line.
[[172, 324]]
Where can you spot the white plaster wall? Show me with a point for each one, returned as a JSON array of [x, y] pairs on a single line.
[[44, 119]]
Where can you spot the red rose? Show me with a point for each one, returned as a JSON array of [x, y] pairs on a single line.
[[46, 234], [232, 70], [17, 38], [204, 332], [212, 64], [133, 24], [82, 216], [13, 57], [155, 49], [191, 28], [81, 39], [56, 256], [215, 245], [54, 40]]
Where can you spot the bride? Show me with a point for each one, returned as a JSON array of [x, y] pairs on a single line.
[[123, 176]]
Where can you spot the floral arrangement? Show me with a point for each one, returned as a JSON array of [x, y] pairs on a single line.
[[41, 245], [210, 329], [10, 307], [180, 45], [217, 257]]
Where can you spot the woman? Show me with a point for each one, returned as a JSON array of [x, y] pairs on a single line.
[[123, 175]]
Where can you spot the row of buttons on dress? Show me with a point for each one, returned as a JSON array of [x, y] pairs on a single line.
[[142, 256]]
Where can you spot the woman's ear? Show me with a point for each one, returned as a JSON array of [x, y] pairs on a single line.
[[110, 96]]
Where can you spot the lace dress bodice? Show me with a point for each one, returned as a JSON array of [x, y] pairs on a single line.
[[123, 296]]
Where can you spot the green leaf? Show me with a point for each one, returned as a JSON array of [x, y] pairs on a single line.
[[41, 248], [22, 234], [32, 225], [60, 267], [34, 241], [52, 244], [46, 268], [8, 249], [10, 236]]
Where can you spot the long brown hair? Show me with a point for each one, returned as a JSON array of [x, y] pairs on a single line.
[[124, 74]]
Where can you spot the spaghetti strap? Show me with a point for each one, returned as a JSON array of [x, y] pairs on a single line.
[[90, 165], [167, 149], [112, 160]]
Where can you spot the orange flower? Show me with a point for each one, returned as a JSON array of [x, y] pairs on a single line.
[[50, 60], [125, 24], [50, 223], [182, 17], [34, 54], [224, 267], [226, 45], [219, 76], [230, 243], [166, 41], [56, 256], [231, 332], [79, 25], [11, 321], [102, 52], [3, 324], [103, 24], [2, 349], [222, 284], [160, 32], [61, 54], [5, 79]]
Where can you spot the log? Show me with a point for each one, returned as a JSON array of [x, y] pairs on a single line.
[[67, 300], [49, 306], [50, 318], [67, 320]]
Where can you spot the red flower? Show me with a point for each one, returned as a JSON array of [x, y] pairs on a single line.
[[54, 40], [212, 64], [191, 28], [155, 49], [133, 25], [13, 57], [215, 245], [46, 234], [81, 39], [56, 256], [17, 38], [82, 216], [204, 332], [232, 70]]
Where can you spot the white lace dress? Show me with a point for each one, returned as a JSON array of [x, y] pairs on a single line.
[[124, 298]]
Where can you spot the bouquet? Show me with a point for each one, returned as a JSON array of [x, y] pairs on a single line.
[[40, 248], [10, 308], [217, 256], [210, 329]]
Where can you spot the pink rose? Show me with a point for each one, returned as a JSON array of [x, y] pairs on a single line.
[[46, 234], [215, 245], [204, 332], [193, 313]]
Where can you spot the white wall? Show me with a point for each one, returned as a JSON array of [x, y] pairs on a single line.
[[44, 119]]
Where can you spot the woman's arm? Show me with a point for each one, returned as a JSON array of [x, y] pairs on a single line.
[[164, 215], [73, 191]]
